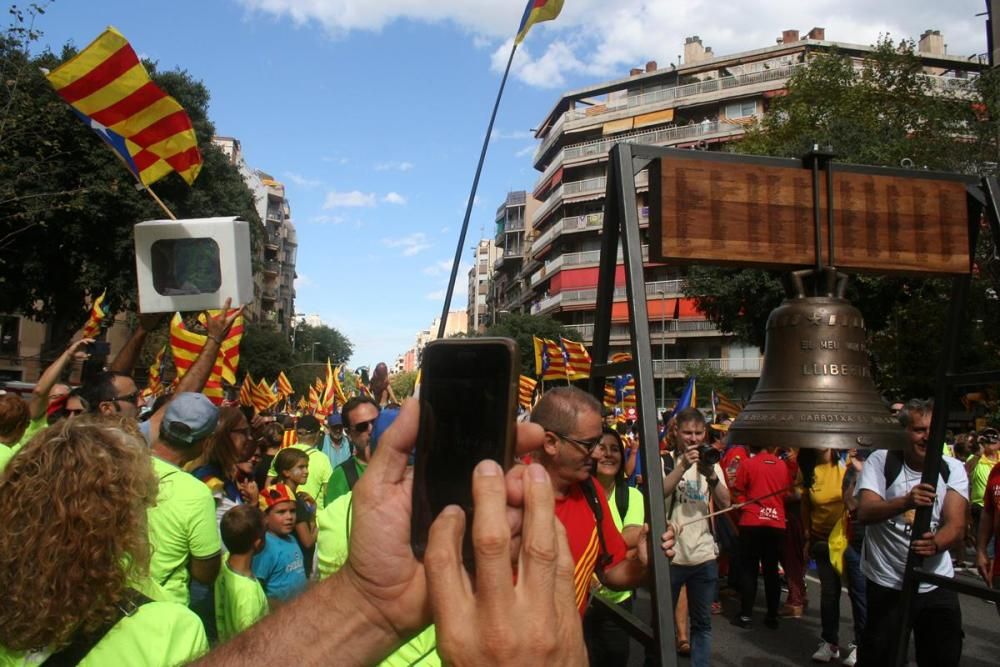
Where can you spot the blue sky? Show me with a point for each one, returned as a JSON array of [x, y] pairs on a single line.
[[372, 112]]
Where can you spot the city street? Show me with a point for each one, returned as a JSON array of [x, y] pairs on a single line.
[[795, 640]]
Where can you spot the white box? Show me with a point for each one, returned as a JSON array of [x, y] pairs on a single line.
[[188, 265]]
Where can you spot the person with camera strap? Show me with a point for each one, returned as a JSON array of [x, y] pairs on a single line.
[[691, 490]]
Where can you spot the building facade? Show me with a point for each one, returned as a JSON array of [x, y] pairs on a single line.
[[484, 256], [458, 323], [702, 103], [513, 229]]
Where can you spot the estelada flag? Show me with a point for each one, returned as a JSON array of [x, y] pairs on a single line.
[[526, 391], [97, 314], [284, 386], [577, 359], [112, 93], [537, 11], [722, 404], [553, 361]]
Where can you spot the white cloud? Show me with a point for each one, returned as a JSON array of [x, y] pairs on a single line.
[[599, 39], [394, 165], [327, 220], [302, 181], [333, 158], [352, 199], [414, 244], [443, 268], [512, 134], [394, 198], [526, 151]]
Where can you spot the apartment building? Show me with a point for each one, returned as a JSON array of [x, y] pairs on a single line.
[[701, 103], [484, 256], [274, 283], [513, 228], [457, 323]]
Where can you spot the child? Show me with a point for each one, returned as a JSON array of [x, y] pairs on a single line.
[[292, 468], [279, 565], [239, 599]]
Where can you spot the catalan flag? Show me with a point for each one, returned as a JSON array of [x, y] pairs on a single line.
[[263, 397], [537, 11], [303, 404], [577, 359], [289, 438], [229, 351], [329, 395], [722, 404], [97, 314], [338, 384], [553, 361], [186, 345], [246, 391], [112, 93], [154, 386], [284, 386], [213, 390], [610, 395], [313, 399], [526, 391]]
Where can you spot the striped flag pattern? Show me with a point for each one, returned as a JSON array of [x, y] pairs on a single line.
[[537, 11], [550, 359], [526, 391], [263, 397], [110, 90], [313, 399], [289, 438], [92, 328], [154, 385], [246, 391], [722, 404], [284, 386], [577, 359], [230, 348]]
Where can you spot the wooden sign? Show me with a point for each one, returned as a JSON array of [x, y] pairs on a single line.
[[728, 209]]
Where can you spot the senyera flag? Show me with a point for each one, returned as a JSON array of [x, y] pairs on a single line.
[[112, 93], [526, 391], [92, 329], [537, 11]]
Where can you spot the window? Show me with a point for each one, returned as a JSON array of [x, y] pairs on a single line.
[[186, 266], [741, 109], [9, 333]]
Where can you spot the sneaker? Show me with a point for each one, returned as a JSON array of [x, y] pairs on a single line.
[[716, 608], [852, 656], [826, 652], [744, 622]]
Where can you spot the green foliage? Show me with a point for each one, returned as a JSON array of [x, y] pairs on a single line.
[[264, 352], [403, 383], [879, 114], [522, 328], [321, 343], [709, 379], [67, 205]]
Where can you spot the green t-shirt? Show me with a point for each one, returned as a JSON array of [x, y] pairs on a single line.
[[7, 452], [332, 546], [338, 480], [181, 526], [158, 634], [239, 602], [320, 471], [634, 516]]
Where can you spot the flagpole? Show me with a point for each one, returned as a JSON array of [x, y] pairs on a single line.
[[472, 197], [143, 186]]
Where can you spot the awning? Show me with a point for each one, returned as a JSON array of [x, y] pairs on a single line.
[[554, 180], [654, 118], [661, 308], [616, 126], [688, 309]]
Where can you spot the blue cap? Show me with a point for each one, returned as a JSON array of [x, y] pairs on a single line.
[[335, 420], [189, 419], [381, 425]]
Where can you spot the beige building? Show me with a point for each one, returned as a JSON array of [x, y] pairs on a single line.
[[484, 256]]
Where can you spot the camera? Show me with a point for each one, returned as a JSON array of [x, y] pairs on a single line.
[[708, 455]]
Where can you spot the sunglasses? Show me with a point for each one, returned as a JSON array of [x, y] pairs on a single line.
[[362, 427], [130, 398]]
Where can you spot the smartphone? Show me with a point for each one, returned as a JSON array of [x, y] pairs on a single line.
[[99, 349], [468, 399]]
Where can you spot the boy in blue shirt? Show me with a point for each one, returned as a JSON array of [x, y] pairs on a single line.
[[279, 566]]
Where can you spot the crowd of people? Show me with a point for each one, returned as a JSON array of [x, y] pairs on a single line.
[[162, 534]]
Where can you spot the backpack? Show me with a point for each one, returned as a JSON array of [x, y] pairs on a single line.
[[350, 472], [894, 466], [80, 645]]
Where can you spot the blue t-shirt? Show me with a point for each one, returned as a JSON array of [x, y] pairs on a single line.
[[337, 455], [279, 567]]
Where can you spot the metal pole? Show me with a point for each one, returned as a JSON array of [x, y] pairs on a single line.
[[663, 351], [472, 197]]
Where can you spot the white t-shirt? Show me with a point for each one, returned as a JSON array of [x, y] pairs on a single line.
[[887, 544], [695, 544]]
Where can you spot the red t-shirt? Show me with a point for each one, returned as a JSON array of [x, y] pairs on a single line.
[[731, 462], [991, 498], [581, 530], [763, 475]]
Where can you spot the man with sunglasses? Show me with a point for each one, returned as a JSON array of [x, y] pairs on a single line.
[[358, 415], [572, 422]]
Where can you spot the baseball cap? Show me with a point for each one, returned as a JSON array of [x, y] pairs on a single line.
[[189, 419], [275, 494], [381, 425], [335, 420], [308, 424]]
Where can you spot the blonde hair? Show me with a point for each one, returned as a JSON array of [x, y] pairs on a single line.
[[74, 533]]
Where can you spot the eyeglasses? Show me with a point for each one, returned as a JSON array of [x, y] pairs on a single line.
[[587, 445], [130, 398], [362, 427]]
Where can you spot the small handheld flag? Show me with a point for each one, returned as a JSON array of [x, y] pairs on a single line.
[[92, 328], [526, 391]]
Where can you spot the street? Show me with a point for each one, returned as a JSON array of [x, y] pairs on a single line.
[[796, 639]]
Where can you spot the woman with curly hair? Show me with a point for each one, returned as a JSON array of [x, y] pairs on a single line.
[[219, 465], [74, 554], [380, 388]]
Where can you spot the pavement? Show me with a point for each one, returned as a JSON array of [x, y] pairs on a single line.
[[795, 640]]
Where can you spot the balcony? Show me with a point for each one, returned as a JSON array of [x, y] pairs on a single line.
[[587, 188], [657, 328], [546, 304], [735, 366], [271, 268], [269, 295]]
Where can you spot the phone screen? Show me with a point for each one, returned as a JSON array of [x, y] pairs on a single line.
[[466, 416]]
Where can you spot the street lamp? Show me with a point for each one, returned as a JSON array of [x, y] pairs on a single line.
[[663, 349]]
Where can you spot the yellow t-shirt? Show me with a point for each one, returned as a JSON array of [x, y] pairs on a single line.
[[7, 452], [158, 634], [320, 470], [239, 602], [634, 516], [826, 499], [181, 525]]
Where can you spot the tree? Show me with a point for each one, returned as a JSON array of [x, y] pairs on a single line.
[[403, 384], [67, 205], [881, 114], [264, 352], [321, 343], [522, 328], [709, 379]]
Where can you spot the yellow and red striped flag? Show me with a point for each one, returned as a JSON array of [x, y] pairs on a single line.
[[154, 385], [284, 386], [577, 359], [610, 394], [537, 11], [329, 395], [263, 397], [246, 391], [313, 399], [214, 390], [526, 391], [229, 350], [553, 361], [289, 438], [186, 345], [92, 328], [112, 93]]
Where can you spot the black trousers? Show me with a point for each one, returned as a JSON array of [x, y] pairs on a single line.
[[607, 641], [937, 627], [760, 548]]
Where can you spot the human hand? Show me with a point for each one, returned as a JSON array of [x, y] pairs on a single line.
[[925, 546], [983, 566], [667, 540], [218, 325], [248, 491], [690, 457], [642, 548], [922, 495], [532, 621], [381, 567], [77, 349]]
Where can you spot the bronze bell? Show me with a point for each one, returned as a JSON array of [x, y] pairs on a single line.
[[816, 388]]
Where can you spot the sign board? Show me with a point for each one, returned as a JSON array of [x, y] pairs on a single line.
[[730, 209]]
